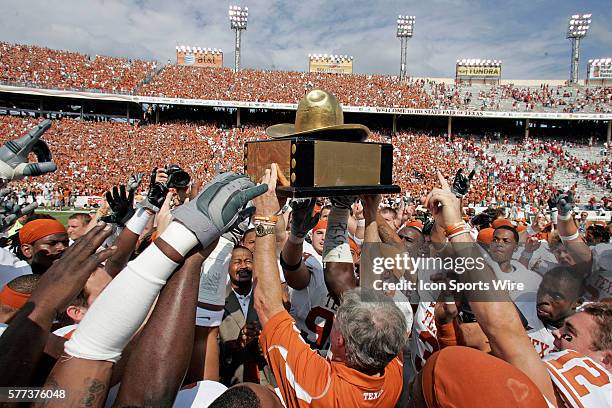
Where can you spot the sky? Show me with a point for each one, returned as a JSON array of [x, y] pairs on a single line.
[[528, 36]]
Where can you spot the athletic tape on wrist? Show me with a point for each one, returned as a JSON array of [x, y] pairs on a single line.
[[336, 247], [121, 308], [570, 237], [179, 238], [361, 223], [565, 217], [139, 221]]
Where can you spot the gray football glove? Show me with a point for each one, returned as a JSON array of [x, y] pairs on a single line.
[[218, 206], [14, 155]]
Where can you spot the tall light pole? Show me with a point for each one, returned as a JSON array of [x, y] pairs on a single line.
[[238, 17], [405, 29], [577, 28]]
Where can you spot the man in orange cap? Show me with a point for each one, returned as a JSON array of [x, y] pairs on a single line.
[[43, 241], [451, 376], [15, 294], [485, 236]]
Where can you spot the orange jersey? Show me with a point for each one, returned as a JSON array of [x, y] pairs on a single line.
[[306, 379], [578, 380]]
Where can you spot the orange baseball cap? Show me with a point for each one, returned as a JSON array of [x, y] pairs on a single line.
[[416, 224], [485, 236], [37, 229], [322, 224], [501, 221], [463, 376]]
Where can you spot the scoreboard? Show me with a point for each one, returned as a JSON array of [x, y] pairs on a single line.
[[478, 69], [199, 57], [330, 64]]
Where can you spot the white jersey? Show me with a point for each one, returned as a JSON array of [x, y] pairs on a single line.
[[11, 267], [578, 380], [423, 341], [313, 308], [541, 336], [213, 278], [200, 395], [599, 283], [66, 331], [519, 274]]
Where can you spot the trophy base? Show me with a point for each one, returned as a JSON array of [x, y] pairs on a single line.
[[322, 168], [301, 192]]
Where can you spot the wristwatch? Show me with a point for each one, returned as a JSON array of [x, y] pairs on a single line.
[[261, 230]]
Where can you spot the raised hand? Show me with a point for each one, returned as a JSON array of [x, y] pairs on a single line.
[[218, 206], [156, 195], [443, 204], [10, 211], [343, 201], [461, 183], [122, 205], [134, 181], [565, 203], [266, 203], [302, 217], [14, 155], [67, 276]]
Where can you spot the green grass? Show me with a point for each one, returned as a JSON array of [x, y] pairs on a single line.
[[61, 216]]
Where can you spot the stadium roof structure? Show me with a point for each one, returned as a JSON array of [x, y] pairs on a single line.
[[139, 99]]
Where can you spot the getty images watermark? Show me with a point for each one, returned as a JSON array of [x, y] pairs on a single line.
[[387, 268]]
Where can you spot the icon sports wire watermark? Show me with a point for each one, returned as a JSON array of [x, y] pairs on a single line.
[[432, 274]]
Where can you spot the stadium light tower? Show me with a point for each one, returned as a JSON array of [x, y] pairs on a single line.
[[405, 30], [577, 28], [238, 17]]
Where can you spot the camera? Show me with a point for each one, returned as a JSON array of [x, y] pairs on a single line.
[[177, 177]]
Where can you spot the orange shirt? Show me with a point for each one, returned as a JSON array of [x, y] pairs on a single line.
[[306, 379]]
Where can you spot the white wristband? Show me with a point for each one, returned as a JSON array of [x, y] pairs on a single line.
[[139, 221], [456, 234], [361, 222], [565, 217], [570, 237]]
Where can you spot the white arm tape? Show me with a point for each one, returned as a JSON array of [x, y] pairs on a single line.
[[336, 247], [179, 238], [121, 308], [139, 221], [570, 237], [566, 217]]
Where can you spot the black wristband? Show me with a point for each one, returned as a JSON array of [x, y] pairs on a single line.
[[287, 267]]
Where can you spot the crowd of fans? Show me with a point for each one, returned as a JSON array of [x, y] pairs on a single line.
[[522, 98], [92, 156], [285, 87], [31, 65], [223, 295], [44, 67]]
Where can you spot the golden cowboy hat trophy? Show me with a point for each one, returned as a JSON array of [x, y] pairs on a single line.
[[319, 155]]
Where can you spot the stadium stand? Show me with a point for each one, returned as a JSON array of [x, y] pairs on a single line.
[[92, 156], [46, 68]]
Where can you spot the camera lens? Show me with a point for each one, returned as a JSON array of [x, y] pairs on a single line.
[[179, 179]]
